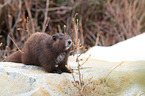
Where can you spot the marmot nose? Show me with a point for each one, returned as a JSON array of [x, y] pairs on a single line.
[[69, 42]]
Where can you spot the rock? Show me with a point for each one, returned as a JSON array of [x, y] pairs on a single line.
[[103, 79]]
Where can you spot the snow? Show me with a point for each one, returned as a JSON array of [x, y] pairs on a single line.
[[132, 49]]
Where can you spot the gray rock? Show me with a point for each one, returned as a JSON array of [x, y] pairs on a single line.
[[127, 79]]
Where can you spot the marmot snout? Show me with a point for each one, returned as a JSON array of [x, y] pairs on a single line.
[[49, 52], [68, 44]]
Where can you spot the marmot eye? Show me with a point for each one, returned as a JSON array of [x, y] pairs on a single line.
[[60, 38], [54, 38]]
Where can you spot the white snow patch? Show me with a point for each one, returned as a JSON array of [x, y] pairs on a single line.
[[132, 49]]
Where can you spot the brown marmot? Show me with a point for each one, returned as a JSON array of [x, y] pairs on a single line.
[[49, 52]]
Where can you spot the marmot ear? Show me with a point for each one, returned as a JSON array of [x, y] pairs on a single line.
[[54, 38]]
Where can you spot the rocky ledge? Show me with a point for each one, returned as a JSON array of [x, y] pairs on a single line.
[[101, 78]]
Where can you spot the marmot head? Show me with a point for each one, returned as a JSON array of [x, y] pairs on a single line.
[[61, 42]]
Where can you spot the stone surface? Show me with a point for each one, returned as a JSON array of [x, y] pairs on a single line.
[[108, 79]]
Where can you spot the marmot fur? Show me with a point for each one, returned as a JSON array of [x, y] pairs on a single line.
[[49, 52]]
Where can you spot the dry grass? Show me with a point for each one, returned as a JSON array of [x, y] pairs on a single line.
[[106, 86], [88, 87], [100, 22]]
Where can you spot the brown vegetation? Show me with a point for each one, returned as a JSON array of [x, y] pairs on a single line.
[[100, 22]]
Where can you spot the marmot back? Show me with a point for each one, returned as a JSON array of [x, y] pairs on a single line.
[[49, 52]]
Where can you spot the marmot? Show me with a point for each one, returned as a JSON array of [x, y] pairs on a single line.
[[49, 52]]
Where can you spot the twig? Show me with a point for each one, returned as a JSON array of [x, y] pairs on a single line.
[[30, 16], [64, 29], [103, 80], [6, 2], [80, 86], [97, 39], [27, 28], [36, 14], [1, 44], [57, 9], [59, 28], [113, 69], [15, 44], [11, 31], [46, 24], [82, 52], [81, 31], [86, 60], [89, 81], [45, 18], [77, 45]]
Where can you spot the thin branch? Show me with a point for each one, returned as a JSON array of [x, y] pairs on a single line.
[[45, 18], [30, 16], [27, 28], [1, 44], [85, 60], [56, 9], [113, 69], [6, 3], [15, 44], [12, 30]]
